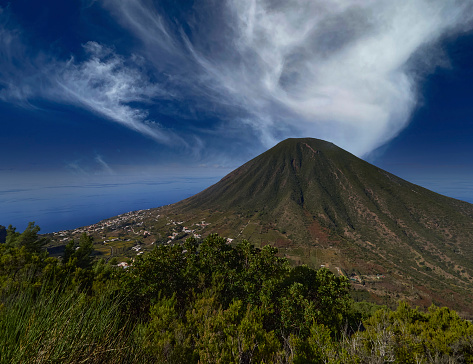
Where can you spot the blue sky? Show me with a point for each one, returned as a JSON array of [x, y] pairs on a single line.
[[110, 106]]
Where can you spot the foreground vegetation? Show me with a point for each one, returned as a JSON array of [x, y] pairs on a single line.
[[203, 301]]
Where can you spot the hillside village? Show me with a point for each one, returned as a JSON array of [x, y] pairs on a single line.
[[131, 234]]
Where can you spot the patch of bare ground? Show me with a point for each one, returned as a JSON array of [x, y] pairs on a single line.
[[372, 219], [295, 259], [381, 204], [318, 233], [313, 151], [282, 243], [447, 298], [369, 268]]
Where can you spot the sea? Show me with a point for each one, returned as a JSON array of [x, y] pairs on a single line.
[[55, 207]]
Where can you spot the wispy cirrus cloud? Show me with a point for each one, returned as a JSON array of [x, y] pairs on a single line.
[[104, 165], [17, 67], [347, 71], [105, 85], [83, 167], [103, 82]]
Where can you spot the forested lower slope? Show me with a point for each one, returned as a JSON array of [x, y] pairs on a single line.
[[202, 302]]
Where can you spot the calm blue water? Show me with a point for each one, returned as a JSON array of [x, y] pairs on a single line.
[[67, 206]]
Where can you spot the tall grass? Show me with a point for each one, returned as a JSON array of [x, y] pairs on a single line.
[[64, 327]]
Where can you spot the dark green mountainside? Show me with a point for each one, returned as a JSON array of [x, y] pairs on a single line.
[[326, 206], [321, 206]]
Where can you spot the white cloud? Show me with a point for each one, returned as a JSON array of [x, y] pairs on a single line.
[[342, 70], [106, 86], [104, 165], [339, 70], [105, 83], [17, 72], [339, 67]]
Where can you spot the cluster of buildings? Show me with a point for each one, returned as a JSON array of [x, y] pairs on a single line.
[[127, 222], [185, 230], [135, 226]]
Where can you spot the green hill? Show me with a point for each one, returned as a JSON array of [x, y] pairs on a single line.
[[323, 206]]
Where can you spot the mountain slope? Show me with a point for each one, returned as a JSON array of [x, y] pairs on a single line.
[[318, 181], [321, 205], [312, 197]]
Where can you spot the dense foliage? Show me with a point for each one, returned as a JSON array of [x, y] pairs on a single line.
[[202, 302]]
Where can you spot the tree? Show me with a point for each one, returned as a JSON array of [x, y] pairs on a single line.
[[80, 255], [28, 238], [77, 261], [3, 234]]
